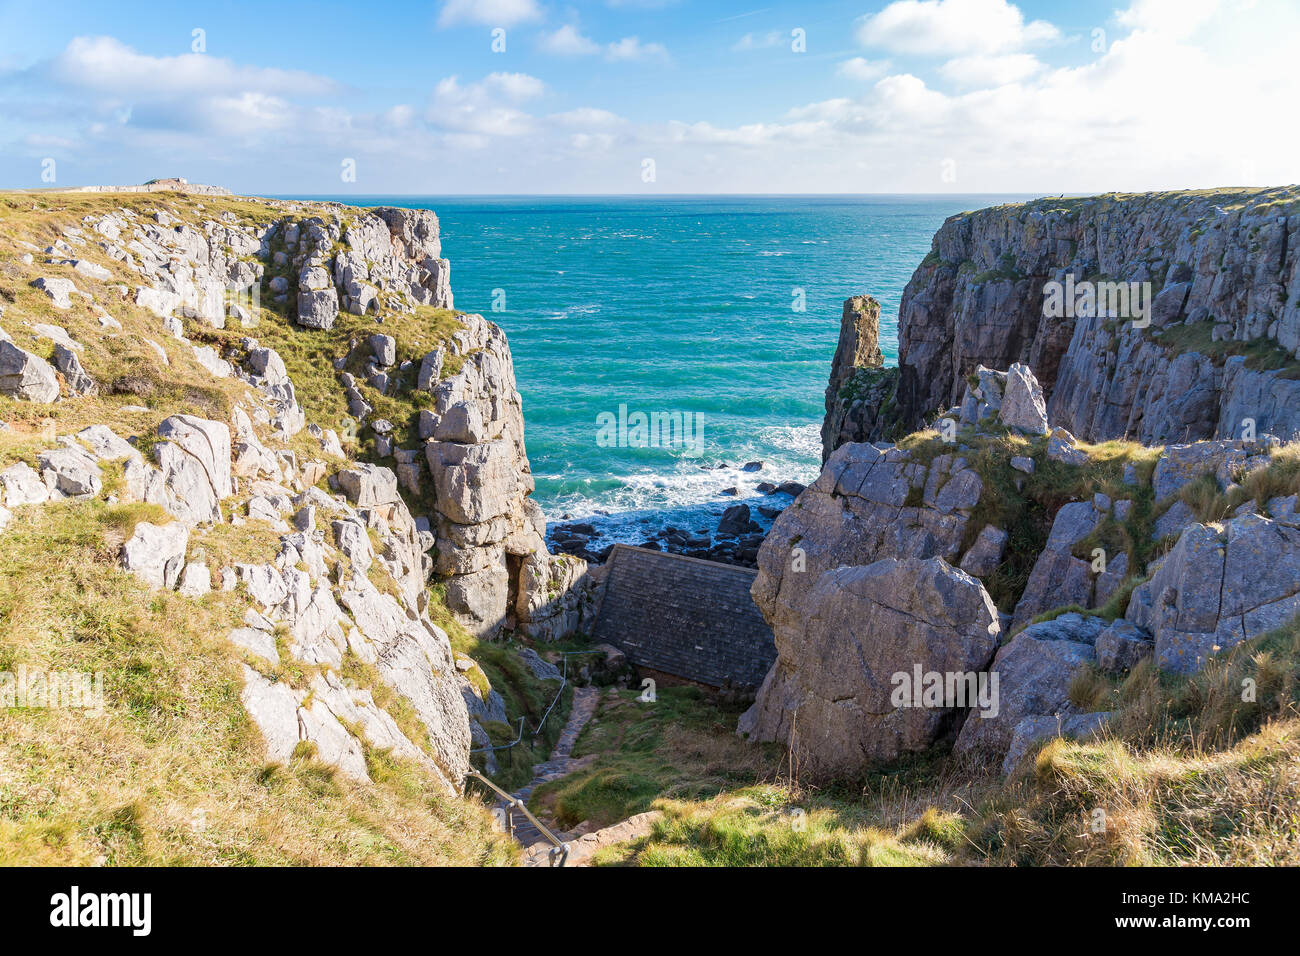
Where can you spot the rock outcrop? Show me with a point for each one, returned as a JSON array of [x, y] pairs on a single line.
[[489, 534], [1220, 585], [857, 381], [868, 504], [833, 695], [345, 587], [1202, 274]]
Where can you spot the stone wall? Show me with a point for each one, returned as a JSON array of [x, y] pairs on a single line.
[[686, 617]]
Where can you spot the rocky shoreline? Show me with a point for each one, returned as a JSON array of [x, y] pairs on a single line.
[[731, 537]]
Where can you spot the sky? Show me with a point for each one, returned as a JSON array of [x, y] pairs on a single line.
[[647, 97]]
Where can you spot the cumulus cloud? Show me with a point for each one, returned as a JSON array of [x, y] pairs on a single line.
[[568, 40], [111, 68], [953, 27], [487, 108], [861, 69], [991, 70], [491, 13], [631, 48]]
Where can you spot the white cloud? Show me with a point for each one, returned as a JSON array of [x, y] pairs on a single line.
[[862, 70], [514, 86], [952, 27], [631, 48], [763, 41], [588, 117], [1176, 18], [1132, 117], [487, 108], [490, 13], [970, 71], [111, 68], [567, 41]]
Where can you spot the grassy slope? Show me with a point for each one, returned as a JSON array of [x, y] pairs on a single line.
[[1189, 772], [174, 772]]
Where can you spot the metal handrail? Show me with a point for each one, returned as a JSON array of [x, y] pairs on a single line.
[[483, 750], [564, 680], [559, 852]]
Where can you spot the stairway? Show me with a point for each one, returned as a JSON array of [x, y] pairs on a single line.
[[536, 847]]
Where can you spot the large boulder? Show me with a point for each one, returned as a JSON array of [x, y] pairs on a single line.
[[20, 484], [1219, 586], [193, 473], [26, 376], [156, 553], [70, 472], [869, 503], [1059, 578], [369, 486], [318, 308], [832, 695], [1023, 406], [475, 483], [59, 290], [1033, 674]]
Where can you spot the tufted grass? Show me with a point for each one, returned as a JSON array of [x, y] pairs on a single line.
[[1187, 773], [173, 773]]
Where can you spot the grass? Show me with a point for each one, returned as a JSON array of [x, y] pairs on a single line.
[[1261, 355], [1279, 479], [680, 746], [1187, 773], [173, 773], [1025, 505]]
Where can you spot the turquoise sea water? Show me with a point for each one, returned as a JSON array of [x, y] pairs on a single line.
[[679, 304]]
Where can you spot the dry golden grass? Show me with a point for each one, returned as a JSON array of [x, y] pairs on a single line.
[[173, 772]]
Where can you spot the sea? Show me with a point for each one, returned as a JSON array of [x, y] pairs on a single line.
[[710, 319]]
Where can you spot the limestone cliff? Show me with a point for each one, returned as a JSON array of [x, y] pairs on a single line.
[[1072, 556], [1216, 272], [294, 371]]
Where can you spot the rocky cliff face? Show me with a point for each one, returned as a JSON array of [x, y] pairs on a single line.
[[1216, 342], [858, 384], [222, 317], [888, 566]]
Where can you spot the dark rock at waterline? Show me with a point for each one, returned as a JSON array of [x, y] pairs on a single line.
[[735, 521], [792, 488], [729, 492], [765, 487], [768, 512], [752, 466]]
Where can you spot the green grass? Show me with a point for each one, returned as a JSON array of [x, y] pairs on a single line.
[[1261, 355], [1026, 505], [682, 745], [173, 774]]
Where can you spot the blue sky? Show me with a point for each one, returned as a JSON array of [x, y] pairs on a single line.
[[909, 96]]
